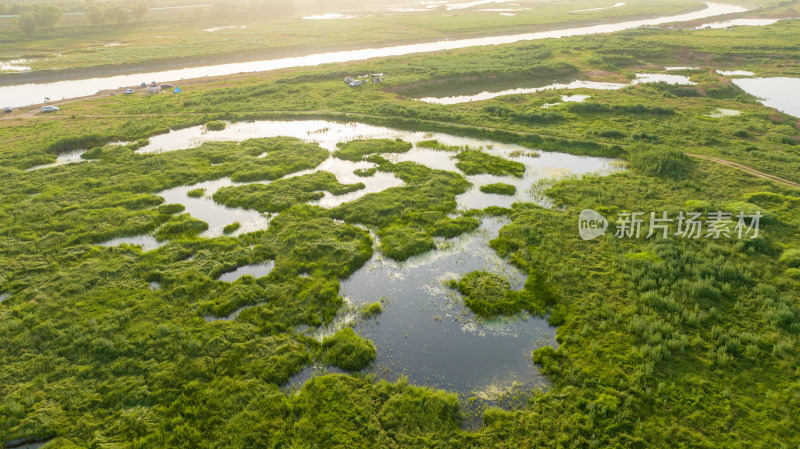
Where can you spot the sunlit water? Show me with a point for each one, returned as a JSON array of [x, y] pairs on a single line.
[[739, 22], [735, 73], [256, 270], [578, 84], [32, 93], [146, 242], [780, 93], [721, 112], [427, 334], [69, 157]]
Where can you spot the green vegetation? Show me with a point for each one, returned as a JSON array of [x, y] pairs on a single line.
[[347, 351], [436, 145], [661, 342], [474, 162], [486, 294], [356, 150], [371, 310], [365, 172], [196, 193], [659, 161], [408, 217], [499, 188], [216, 125], [231, 228], [283, 193]]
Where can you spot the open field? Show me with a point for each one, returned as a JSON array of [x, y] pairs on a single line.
[[659, 342]]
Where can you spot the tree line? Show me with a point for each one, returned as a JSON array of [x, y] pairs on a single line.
[[48, 17]]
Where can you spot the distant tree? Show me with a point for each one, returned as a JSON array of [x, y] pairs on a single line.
[[139, 11], [50, 16], [94, 14], [27, 23], [118, 14]]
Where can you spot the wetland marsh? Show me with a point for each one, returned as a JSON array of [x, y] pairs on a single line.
[[281, 260]]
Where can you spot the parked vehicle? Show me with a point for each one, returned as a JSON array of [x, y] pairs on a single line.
[[128, 91], [49, 108], [6, 109]]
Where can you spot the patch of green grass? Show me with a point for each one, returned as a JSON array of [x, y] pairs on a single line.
[[283, 193], [196, 193], [347, 351], [436, 145], [365, 172], [499, 188], [474, 162], [216, 125], [356, 150], [488, 294], [371, 310], [183, 225], [171, 209], [231, 228]]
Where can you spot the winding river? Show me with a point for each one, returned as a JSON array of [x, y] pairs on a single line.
[[26, 94]]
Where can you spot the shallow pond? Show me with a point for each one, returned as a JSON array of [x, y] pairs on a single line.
[[4, 296], [146, 242], [780, 93], [216, 215], [662, 78], [720, 112], [256, 270], [426, 333], [735, 73], [23, 94], [69, 157], [486, 95]]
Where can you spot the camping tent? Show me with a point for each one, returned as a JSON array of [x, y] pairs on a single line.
[[177, 90]]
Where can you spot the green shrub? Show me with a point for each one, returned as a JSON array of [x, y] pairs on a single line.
[[499, 188], [347, 351]]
